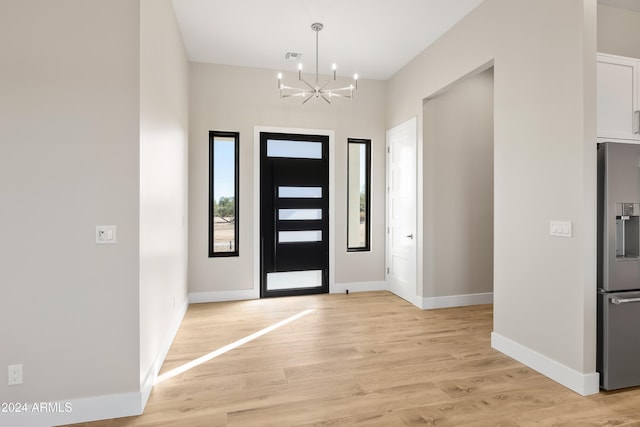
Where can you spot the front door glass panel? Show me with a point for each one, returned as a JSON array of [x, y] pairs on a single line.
[[299, 214], [294, 149], [300, 192], [294, 280]]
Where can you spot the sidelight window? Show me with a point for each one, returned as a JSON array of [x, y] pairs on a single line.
[[359, 195], [223, 193]]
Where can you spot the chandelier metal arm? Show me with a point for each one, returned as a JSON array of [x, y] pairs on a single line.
[[342, 89], [327, 84], [289, 95], [313, 89], [340, 95], [295, 92], [285, 87]]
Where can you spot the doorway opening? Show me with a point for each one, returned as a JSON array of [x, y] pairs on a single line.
[[458, 205]]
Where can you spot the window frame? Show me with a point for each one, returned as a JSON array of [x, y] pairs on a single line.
[[367, 146], [213, 134]]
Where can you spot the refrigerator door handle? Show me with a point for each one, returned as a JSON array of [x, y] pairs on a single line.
[[618, 300]]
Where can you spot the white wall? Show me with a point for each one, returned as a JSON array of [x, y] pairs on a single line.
[[237, 99], [458, 189], [618, 31], [164, 91], [544, 169], [69, 160]]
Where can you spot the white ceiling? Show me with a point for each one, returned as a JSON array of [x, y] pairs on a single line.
[[372, 38]]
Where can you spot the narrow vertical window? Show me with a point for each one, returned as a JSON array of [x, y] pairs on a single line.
[[359, 195], [223, 193]]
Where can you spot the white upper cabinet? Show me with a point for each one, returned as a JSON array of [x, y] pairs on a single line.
[[618, 110]]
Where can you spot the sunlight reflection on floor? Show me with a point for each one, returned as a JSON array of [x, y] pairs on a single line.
[[203, 359]]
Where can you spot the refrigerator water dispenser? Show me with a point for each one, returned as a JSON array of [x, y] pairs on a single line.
[[627, 231]]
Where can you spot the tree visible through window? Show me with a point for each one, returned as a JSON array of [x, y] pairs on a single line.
[[223, 193]]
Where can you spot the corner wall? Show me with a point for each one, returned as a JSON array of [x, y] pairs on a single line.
[[69, 160], [544, 160], [164, 89], [94, 128]]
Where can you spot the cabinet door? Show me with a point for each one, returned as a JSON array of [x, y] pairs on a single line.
[[617, 98]]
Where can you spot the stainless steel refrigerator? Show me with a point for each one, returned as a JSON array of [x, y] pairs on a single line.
[[618, 357]]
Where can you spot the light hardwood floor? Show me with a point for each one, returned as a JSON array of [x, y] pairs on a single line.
[[367, 359]]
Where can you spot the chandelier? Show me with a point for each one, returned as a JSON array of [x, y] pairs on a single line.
[[317, 90]]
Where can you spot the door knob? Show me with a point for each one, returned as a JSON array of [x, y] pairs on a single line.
[[410, 236]]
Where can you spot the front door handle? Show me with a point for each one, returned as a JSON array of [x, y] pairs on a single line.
[[410, 236]]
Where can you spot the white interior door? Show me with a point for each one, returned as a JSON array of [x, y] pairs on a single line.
[[401, 210]]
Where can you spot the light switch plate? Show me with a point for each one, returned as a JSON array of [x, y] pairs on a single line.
[[561, 228], [106, 234]]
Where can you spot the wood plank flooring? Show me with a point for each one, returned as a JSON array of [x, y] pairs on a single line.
[[366, 359]]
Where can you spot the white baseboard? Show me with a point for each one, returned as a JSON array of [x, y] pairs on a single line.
[[337, 288], [584, 384], [219, 296], [340, 288], [456, 301], [74, 411]]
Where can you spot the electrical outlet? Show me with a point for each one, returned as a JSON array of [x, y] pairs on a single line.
[[15, 374]]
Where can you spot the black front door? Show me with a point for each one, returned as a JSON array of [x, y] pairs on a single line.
[[294, 214]]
